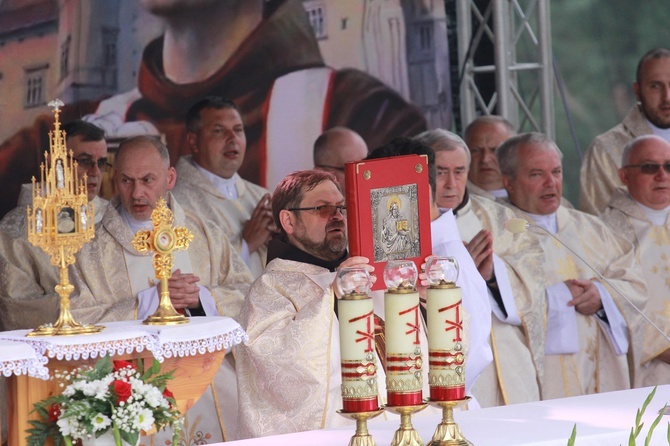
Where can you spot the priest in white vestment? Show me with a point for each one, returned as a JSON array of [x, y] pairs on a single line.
[[208, 183], [639, 213], [591, 332], [115, 282], [510, 265]]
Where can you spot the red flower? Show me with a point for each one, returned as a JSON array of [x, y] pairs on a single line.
[[54, 412], [168, 394], [122, 389], [118, 365]]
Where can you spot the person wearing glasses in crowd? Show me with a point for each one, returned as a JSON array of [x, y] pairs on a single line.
[[649, 116], [288, 373], [336, 147], [27, 279], [640, 214]]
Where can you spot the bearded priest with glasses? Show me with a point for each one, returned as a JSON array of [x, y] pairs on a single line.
[[639, 212], [288, 373]]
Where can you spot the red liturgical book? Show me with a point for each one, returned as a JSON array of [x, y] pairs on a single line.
[[388, 210]]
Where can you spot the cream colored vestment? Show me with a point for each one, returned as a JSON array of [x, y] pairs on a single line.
[[652, 249]]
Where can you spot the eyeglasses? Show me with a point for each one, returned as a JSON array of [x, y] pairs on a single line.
[[650, 168], [86, 163], [325, 210], [325, 166]]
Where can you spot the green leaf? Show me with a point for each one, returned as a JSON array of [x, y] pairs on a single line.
[[104, 366], [571, 440], [654, 424]]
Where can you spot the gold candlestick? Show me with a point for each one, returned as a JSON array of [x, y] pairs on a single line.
[[406, 435], [362, 437], [448, 433], [163, 239], [60, 222]]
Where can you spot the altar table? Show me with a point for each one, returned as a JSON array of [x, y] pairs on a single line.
[[194, 352], [603, 419]]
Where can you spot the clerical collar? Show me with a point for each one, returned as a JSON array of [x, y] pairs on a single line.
[[663, 133], [279, 248], [548, 222], [134, 224], [227, 186], [499, 193], [466, 199], [657, 216]]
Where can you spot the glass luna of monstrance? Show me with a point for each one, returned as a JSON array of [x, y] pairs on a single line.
[[60, 222]]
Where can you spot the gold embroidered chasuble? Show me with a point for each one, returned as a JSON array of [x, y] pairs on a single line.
[[110, 273], [652, 249], [518, 350], [284, 370], [599, 170], [595, 367], [197, 194]]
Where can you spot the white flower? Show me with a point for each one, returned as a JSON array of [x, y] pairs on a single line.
[[100, 421], [68, 426], [145, 419]]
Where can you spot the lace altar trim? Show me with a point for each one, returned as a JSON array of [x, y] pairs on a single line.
[[211, 344], [31, 367]]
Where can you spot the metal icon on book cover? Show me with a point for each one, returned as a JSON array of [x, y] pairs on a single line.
[[395, 222]]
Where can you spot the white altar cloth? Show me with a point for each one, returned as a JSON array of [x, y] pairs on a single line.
[[602, 420], [19, 359], [200, 335]]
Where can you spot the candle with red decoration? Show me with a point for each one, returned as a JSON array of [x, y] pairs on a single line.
[[446, 353], [357, 342], [404, 382]]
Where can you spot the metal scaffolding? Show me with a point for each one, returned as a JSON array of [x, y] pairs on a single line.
[[504, 62]]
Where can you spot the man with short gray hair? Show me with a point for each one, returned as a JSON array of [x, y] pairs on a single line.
[[589, 328], [638, 211], [508, 263]]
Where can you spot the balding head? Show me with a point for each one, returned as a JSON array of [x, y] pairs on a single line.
[[338, 146], [645, 160]]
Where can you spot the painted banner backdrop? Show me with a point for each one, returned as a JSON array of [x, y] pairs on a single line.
[[294, 68]]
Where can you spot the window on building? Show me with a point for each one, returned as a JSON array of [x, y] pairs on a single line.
[[109, 36], [425, 37], [316, 12], [35, 84], [65, 57], [109, 56]]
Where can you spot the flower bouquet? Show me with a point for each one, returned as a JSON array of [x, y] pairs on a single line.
[[111, 396]]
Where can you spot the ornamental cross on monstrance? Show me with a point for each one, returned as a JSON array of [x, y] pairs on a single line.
[[60, 222], [163, 239]]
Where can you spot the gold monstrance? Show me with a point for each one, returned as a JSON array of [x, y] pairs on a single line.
[[60, 221], [163, 239]]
